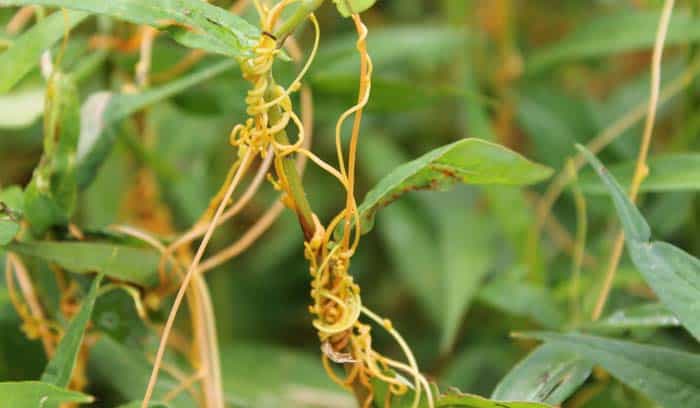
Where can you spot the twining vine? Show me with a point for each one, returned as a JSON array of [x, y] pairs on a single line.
[[336, 301]]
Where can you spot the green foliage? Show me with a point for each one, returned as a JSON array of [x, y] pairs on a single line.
[[549, 374], [123, 262], [11, 207], [631, 31], [102, 111], [667, 376], [667, 173], [454, 400], [24, 53], [221, 32], [348, 7], [469, 161], [671, 272], [498, 95], [37, 394], [60, 368], [50, 197]]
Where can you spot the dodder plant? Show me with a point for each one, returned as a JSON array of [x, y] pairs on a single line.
[[150, 262]]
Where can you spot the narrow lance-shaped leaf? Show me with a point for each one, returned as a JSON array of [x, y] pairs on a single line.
[[671, 172], [456, 400], [128, 372], [37, 394], [630, 31], [524, 299], [103, 110], [648, 316], [59, 369], [214, 28], [669, 377], [24, 54], [673, 274], [549, 374], [51, 195], [128, 263], [471, 161]]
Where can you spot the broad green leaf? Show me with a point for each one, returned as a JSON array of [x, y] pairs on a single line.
[[441, 251], [611, 34], [348, 7], [213, 26], [470, 161], [21, 108], [669, 377], [24, 54], [673, 274], [549, 374], [522, 299], [128, 263], [455, 400], [261, 375], [30, 394], [672, 172], [648, 316], [103, 110], [60, 368], [126, 370], [51, 196]]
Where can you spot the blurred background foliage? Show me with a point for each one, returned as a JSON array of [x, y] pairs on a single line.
[[457, 272]]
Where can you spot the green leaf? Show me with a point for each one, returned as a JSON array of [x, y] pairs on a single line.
[[26, 50], [137, 404], [454, 400], [399, 47], [549, 374], [648, 316], [59, 369], [441, 251], [636, 228], [131, 264], [612, 34], [522, 299], [470, 161], [671, 172], [103, 110], [381, 394], [264, 375], [465, 243], [26, 394], [673, 274], [127, 371], [8, 229], [11, 207], [51, 196], [220, 30], [669, 377], [21, 108], [349, 7]]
